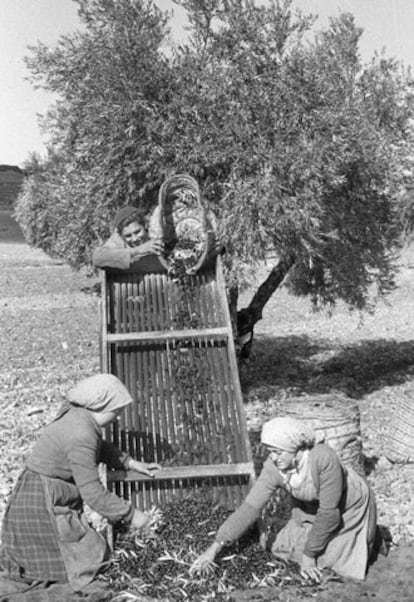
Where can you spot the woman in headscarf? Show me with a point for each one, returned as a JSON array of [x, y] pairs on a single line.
[[45, 534], [129, 244], [333, 518]]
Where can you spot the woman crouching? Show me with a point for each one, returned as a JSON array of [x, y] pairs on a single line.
[[333, 518], [45, 534]]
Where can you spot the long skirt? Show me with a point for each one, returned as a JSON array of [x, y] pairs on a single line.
[[348, 552], [49, 543]]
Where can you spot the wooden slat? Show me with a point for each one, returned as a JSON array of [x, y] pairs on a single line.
[[204, 402], [135, 422], [151, 335], [224, 412], [205, 308], [216, 414], [201, 471], [127, 421], [159, 393], [105, 365], [207, 301], [232, 362]]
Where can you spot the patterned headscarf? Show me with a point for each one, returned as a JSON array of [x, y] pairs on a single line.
[[100, 393], [287, 434]]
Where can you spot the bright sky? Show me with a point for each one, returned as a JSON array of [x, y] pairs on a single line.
[[386, 23]]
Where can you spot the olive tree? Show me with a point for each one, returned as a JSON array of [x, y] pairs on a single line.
[[296, 143]]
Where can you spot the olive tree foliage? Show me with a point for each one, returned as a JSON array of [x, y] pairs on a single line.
[[108, 79], [297, 144]]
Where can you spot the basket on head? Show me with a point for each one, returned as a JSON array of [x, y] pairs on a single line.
[[400, 440], [186, 230]]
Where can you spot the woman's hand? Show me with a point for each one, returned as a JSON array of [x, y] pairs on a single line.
[[145, 525], [139, 520], [204, 564], [143, 467], [218, 243], [150, 247], [309, 569]]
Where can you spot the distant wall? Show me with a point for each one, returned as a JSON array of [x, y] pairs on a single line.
[[11, 179]]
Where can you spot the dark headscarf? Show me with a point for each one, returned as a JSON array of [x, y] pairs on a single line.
[[127, 215]]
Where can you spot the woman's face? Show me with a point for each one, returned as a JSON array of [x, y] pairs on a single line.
[[105, 418], [282, 459], [134, 234]]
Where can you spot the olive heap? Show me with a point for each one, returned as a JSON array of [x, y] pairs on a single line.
[[159, 568], [182, 256]]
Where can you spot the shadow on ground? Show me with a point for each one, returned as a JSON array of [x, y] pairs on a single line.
[[305, 366]]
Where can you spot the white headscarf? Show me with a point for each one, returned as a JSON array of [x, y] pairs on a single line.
[[287, 434], [100, 393]]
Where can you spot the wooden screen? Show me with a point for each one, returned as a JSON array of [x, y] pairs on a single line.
[[170, 341]]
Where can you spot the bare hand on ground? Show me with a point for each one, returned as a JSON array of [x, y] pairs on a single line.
[[309, 569], [204, 564], [139, 520]]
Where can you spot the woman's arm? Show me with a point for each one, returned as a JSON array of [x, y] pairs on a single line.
[[117, 459], [82, 455], [112, 254], [327, 474], [242, 518], [249, 511], [113, 457]]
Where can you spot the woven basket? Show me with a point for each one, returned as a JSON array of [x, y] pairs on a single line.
[[334, 417], [400, 440], [183, 216]]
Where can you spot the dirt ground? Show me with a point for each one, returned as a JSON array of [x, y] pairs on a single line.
[[389, 580], [49, 334]]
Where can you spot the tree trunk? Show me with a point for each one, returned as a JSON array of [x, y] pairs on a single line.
[[233, 295], [248, 316]]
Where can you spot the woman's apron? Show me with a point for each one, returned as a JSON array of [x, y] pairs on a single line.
[[347, 553], [49, 541]]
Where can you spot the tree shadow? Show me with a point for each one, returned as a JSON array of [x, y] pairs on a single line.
[[304, 365]]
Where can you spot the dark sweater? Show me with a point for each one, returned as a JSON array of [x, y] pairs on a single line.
[[69, 450]]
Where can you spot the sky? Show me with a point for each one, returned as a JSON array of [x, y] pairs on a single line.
[[387, 24]]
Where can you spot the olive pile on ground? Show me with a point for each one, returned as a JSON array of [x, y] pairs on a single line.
[[160, 568]]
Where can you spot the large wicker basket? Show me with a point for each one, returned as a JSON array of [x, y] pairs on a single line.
[[334, 417], [185, 226], [400, 440]]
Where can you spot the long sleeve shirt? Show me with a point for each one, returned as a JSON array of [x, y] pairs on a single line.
[[69, 451], [114, 253], [329, 480]]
